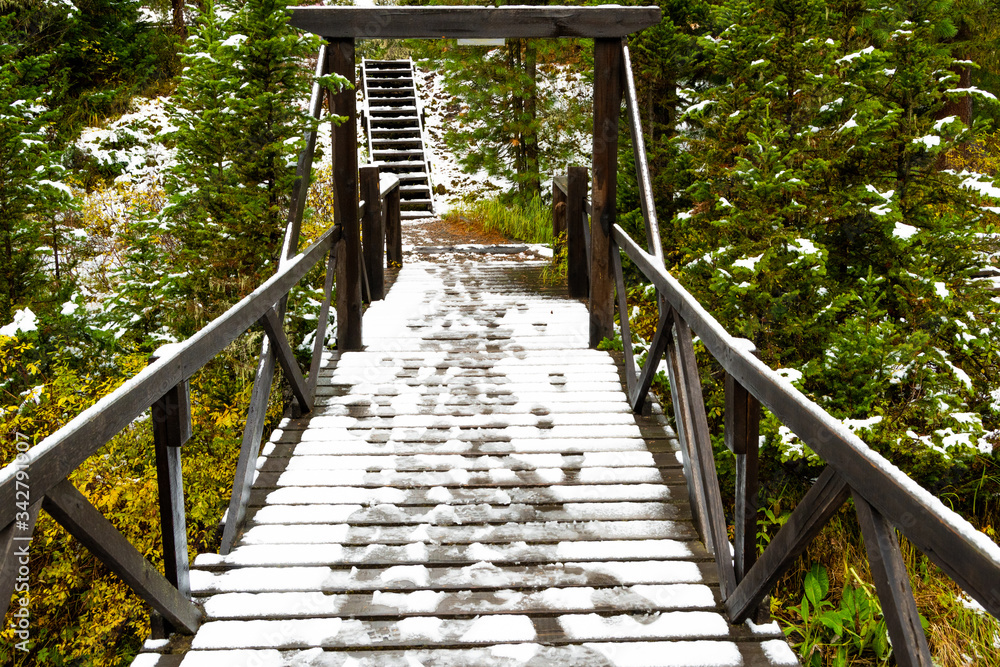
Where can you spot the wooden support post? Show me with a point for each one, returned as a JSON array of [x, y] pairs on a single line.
[[345, 188], [373, 232], [14, 565], [607, 107], [576, 244], [742, 429], [892, 583], [172, 428], [393, 228]]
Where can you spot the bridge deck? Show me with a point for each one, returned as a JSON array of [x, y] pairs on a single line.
[[471, 489]]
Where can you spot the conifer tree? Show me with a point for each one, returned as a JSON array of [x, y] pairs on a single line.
[[30, 191], [239, 118], [823, 226]]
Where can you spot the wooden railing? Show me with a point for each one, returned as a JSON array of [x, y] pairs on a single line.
[[885, 499], [38, 477]]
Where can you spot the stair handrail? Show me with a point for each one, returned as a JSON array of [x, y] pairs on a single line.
[[885, 498]]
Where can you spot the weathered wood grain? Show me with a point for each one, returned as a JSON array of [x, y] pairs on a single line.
[[391, 22], [75, 513]]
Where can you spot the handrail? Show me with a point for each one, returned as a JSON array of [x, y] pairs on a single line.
[[885, 498]]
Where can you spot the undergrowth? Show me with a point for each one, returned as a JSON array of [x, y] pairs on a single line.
[[531, 222]]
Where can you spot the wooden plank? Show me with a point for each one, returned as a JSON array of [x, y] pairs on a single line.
[[373, 232], [731, 654], [607, 106], [892, 583], [391, 22], [534, 532], [537, 477], [327, 495], [345, 187], [75, 513], [651, 599], [965, 554], [327, 555], [279, 458], [690, 576], [15, 573], [272, 326], [171, 416], [61, 453], [822, 501], [623, 312]]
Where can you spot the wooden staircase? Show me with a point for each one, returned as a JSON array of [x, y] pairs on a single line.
[[395, 132]]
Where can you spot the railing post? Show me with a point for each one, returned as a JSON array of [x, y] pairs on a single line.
[[576, 243], [607, 107], [558, 212], [345, 188], [742, 430], [373, 232], [171, 415], [393, 228]]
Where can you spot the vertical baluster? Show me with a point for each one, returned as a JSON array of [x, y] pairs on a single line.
[[742, 429], [393, 228], [171, 416], [373, 232], [576, 230], [558, 213]]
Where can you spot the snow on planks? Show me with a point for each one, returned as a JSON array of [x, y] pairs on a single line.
[[479, 498]]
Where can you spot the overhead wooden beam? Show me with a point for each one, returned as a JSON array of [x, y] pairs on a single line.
[[473, 22]]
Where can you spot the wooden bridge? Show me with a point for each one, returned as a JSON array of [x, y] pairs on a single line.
[[472, 483]]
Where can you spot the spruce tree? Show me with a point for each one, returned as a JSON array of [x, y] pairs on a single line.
[[239, 118], [823, 225], [30, 190]]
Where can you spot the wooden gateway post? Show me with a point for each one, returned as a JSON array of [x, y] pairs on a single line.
[[607, 25]]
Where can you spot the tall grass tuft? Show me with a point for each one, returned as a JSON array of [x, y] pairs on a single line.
[[531, 223]]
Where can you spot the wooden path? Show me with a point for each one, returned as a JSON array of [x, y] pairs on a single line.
[[472, 489]]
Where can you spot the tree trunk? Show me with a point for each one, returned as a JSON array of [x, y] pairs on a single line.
[[534, 185], [178, 9]]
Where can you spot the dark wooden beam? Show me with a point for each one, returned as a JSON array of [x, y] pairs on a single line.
[[14, 563], [345, 200], [607, 107], [576, 231], [473, 22], [84, 522], [822, 501], [286, 357], [373, 231]]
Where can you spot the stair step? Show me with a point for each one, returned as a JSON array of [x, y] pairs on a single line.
[[394, 144], [392, 101], [397, 156]]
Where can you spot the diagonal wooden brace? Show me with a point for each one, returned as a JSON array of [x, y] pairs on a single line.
[[84, 522], [822, 501], [909, 644], [656, 349], [283, 351]]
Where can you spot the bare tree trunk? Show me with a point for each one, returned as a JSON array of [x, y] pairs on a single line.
[[534, 186], [178, 9]]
